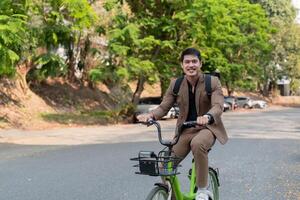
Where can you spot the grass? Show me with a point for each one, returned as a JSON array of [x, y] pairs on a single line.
[[80, 117], [3, 122]]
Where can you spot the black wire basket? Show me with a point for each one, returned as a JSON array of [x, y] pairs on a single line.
[[156, 165]]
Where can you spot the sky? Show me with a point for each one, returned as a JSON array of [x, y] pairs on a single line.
[[296, 3]]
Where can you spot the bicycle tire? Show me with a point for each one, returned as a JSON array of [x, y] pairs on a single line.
[[158, 193], [214, 183]]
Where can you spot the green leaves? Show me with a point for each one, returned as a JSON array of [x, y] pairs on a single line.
[[142, 40], [48, 65], [12, 38], [231, 34], [80, 13], [281, 15], [138, 67]]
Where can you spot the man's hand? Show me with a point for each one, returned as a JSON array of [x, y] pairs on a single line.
[[203, 120], [145, 117]]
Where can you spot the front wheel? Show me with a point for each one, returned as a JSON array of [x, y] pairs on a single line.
[[213, 183], [158, 193]]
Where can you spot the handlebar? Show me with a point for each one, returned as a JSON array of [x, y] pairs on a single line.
[[179, 130], [189, 124]]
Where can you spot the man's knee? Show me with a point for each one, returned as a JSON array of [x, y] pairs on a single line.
[[198, 145], [203, 141]]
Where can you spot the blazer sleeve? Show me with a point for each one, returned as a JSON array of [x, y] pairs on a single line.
[[217, 99], [166, 104]]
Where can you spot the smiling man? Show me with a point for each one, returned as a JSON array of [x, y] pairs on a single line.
[[195, 105]]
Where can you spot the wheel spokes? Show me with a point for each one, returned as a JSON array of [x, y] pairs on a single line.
[[160, 196]]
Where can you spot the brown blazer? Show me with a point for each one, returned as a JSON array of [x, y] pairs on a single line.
[[202, 104]]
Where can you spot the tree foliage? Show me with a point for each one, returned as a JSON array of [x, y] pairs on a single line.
[[247, 41], [233, 35], [13, 36], [64, 26], [281, 15]]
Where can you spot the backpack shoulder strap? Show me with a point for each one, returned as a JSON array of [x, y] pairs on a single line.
[[177, 85], [208, 85]]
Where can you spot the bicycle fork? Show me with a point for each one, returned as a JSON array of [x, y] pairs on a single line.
[[174, 186]]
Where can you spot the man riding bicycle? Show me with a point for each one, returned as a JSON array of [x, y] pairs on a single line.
[[195, 105]]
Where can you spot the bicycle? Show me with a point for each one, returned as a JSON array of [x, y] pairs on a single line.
[[164, 164]]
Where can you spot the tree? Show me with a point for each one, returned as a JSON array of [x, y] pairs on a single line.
[[234, 36], [281, 15], [290, 61], [157, 20], [64, 25], [14, 46], [135, 46]]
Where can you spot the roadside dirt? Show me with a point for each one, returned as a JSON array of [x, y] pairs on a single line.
[[94, 134], [25, 110], [58, 97]]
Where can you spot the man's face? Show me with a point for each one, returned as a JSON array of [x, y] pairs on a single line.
[[191, 65]]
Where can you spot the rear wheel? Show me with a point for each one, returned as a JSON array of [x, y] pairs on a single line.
[[246, 106], [158, 193]]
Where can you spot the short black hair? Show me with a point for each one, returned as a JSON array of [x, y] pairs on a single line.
[[190, 51]]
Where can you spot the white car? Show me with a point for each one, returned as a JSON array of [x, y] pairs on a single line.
[[244, 102], [226, 107], [146, 108], [260, 104]]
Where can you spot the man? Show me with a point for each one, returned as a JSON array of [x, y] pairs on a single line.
[[195, 105]]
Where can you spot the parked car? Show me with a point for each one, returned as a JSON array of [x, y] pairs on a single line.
[[244, 102], [260, 104], [226, 107], [146, 105], [231, 101], [146, 108]]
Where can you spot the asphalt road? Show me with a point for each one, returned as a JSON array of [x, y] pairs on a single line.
[[260, 161]]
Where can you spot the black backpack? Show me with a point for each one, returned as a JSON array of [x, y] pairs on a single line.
[[207, 80]]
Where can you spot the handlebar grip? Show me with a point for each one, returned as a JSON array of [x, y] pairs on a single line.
[[148, 123], [189, 124]]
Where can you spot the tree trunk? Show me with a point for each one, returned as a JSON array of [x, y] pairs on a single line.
[[163, 86], [139, 89], [274, 88], [229, 91], [266, 85], [15, 89], [73, 53], [266, 90], [84, 64], [19, 106], [142, 80], [71, 66], [22, 71]]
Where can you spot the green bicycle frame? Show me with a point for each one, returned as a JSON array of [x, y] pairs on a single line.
[[175, 184]]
